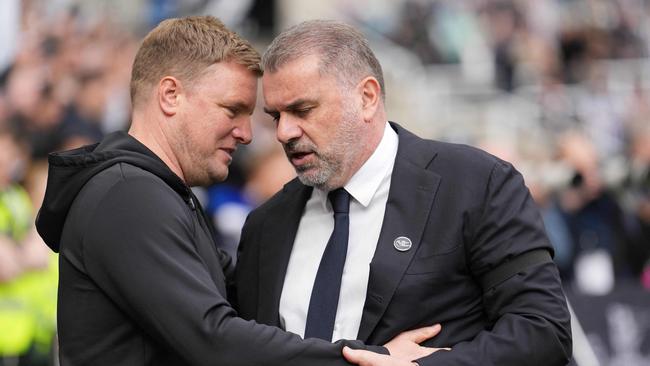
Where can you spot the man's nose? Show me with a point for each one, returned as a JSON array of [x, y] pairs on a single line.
[[243, 132], [287, 129]]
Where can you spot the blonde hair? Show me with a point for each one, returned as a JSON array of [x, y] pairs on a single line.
[[183, 48]]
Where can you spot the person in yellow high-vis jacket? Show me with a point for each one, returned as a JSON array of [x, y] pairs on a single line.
[[28, 273]]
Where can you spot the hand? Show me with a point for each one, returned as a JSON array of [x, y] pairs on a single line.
[[367, 358], [406, 346], [35, 255], [9, 268]]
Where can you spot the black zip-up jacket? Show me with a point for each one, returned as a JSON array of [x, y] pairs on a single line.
[[141, 281]]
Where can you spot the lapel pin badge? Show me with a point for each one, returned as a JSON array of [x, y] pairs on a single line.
[[402, 243]]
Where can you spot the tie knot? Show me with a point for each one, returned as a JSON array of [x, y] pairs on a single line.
[[340, 200]]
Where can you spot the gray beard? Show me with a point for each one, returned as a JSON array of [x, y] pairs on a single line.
[[320, 176]]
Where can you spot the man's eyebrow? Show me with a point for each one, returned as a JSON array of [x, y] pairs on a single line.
[[296, 104], [241, 106]]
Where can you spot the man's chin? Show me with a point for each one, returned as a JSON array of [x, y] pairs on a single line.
[[208, 180], [312, 180], [218, 178]]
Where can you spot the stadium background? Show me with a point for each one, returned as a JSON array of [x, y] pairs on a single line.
[[559, 87]]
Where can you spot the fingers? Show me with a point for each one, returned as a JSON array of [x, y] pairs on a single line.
[[422, 334], [425, 351], [367, 358]]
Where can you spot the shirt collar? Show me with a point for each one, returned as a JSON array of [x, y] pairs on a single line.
[[364, 183]]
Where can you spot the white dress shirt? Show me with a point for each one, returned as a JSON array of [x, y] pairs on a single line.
[[368, 188]]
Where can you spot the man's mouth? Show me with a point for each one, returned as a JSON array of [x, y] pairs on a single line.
[[300, 158], [228, 150]]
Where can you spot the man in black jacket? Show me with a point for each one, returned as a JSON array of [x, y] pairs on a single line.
[[384, 231], [141, 281]]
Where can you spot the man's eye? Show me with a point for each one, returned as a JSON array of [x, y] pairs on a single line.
[[302, 112], [275, 116]]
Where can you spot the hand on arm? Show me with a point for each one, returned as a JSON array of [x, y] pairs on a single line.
[[367, 358], [406, 345], [404, 348]]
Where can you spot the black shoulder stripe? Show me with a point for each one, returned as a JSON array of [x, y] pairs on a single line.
[[514, 266]]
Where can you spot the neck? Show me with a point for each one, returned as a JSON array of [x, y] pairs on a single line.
[[152, 135], [375, 134]]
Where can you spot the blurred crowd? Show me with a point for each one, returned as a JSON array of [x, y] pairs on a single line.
[[588, 161], [559, 87]]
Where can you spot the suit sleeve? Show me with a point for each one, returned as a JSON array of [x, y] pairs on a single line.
[[244, 298], [528, 314], [139, 249]]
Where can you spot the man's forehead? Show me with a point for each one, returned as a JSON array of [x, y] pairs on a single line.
[[294, 83], [281, 96]]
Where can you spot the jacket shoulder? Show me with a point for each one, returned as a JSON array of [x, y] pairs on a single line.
[[463, 163], [464, 154], [125, 173], [125, 180], [447, 157]]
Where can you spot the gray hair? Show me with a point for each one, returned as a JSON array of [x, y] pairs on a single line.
[[342, 49]]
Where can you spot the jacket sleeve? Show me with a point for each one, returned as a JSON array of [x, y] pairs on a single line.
[[139, 249], [528, 314], [246, 272]]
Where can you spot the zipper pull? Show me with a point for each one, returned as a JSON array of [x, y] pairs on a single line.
[[190, 198]]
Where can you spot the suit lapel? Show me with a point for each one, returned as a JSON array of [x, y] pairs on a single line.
[[278, 234], [410, 199]]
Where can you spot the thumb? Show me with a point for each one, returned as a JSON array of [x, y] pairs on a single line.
[[422, 334], [355, 356]]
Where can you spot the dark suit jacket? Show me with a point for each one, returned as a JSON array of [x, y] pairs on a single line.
[[466, 212]]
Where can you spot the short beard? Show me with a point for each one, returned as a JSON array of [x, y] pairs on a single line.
[[321, 176], [200, 174], [318, 173]]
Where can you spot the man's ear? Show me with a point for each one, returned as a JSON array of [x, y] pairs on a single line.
[[370, 97], [169, 93]]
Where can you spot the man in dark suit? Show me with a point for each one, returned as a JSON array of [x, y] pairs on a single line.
[[383, 231]]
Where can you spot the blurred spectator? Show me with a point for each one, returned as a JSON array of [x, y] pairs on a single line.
[[504, 25], [81, 124], [636, 200], [39, 120], [28, 275], [9, 30], [268, 172], [412, 30], [228, 206], [600, 113], [600, 246]]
